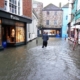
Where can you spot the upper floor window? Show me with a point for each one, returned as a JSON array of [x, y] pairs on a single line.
[[5, 3], [78, 5], [55, 22], [34, 5], [14, 6], [47, 12], [47, 22], [55, 13], [66, 17]]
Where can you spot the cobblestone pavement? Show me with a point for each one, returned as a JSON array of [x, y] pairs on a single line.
[[32, 62]]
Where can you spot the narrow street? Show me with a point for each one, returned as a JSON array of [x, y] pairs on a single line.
[[32, 62]]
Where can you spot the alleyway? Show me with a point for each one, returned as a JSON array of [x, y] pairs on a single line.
[[32, 62]]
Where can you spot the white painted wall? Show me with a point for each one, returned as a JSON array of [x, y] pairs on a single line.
[[32, 28]]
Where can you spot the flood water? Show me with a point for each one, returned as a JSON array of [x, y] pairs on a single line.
[[32, 62]]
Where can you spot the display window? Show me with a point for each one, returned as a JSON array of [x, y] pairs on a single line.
[[20, 34]]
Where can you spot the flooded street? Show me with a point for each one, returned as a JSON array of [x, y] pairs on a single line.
[[32, 62]]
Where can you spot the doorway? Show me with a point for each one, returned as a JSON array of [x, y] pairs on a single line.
[[8, 35]]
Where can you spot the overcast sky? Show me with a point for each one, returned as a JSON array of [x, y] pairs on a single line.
[[55, 2]]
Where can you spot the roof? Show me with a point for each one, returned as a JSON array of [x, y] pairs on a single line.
[[52, 7], [66, 5]]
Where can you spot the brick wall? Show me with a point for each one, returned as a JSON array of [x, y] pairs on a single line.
[[27, 8], [1, 3]]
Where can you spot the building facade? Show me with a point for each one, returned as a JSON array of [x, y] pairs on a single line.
[[38, 6], [75, 20], [52, 20], [32, 27], [65, 9], [14, 16]]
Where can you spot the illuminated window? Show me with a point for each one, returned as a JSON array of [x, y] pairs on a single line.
[[20, 34]]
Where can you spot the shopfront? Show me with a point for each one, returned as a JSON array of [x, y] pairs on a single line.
[[12, 29], [75, 33]]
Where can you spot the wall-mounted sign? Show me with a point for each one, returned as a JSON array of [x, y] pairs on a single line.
[[14, 17], [78, 5]]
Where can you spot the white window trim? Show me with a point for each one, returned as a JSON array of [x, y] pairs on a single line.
[[21, 7]]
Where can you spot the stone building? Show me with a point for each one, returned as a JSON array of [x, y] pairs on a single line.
[[52, 20], [38, 6]]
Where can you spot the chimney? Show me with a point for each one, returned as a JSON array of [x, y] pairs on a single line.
[[60, 4]]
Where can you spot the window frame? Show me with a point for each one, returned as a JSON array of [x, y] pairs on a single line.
[[47, 22]]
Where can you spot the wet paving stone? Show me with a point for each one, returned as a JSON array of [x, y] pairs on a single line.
[[32, 62]]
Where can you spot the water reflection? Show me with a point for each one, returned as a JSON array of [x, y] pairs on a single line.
[[32, 62]]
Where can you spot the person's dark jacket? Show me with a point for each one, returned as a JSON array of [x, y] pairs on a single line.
[[45, 37]]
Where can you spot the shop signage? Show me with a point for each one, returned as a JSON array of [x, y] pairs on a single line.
[[14, 17]]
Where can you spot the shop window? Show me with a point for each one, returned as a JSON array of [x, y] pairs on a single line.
[[10, 32], [20, 34]]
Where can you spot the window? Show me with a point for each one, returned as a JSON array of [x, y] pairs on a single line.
[[55, 22], [20, 34], [47, 12], [34, 5], [5, 3], [55, 13], [47, 22], [66, 17], [13, 6]]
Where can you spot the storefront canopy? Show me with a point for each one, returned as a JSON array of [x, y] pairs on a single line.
[[7, 15]]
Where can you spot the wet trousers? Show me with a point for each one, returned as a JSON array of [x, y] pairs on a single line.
[[44, 44]]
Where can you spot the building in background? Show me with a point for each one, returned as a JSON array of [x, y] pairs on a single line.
[[75, 20], [32, 27], [38, 6], [14, 16], [52, 20], [65, 9]]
